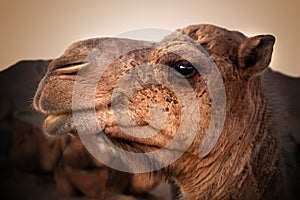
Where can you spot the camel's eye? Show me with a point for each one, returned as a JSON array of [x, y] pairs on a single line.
[[185, 69]]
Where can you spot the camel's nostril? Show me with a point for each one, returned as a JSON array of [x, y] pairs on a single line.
[[70, 69]]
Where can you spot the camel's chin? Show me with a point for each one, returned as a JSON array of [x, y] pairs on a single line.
[[58, 124]]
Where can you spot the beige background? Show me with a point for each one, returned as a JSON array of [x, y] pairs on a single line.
[[44, 29]]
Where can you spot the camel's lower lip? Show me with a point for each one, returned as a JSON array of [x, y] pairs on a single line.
[[63, 123], [52, 118], [58, 124]]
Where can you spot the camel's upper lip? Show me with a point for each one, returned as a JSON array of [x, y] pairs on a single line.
[[57, 69]]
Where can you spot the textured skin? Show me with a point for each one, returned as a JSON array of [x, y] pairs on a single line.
[[245, 163]]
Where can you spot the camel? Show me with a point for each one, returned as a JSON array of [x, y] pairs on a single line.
[[245, 161]]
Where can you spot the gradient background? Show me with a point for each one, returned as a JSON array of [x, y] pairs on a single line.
[[44, 29]]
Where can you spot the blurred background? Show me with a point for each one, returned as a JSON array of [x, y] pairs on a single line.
[[44, 29]]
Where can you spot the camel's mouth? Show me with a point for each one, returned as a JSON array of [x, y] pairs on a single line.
[[64, 123]]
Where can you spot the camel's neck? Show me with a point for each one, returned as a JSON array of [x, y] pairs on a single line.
[[245, 164]]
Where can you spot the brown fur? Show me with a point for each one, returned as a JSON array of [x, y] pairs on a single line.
[[244, 164]]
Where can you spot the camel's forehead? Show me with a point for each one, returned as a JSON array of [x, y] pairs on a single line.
[[115, 47], [174, 40]]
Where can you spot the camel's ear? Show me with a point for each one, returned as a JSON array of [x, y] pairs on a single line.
[[255, 54]]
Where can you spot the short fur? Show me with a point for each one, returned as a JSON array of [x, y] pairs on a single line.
[[244, 164]]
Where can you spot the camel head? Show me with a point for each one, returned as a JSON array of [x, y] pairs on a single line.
[[140, 95]]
